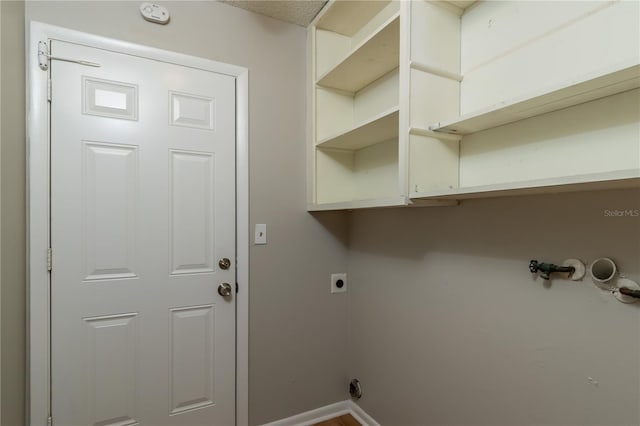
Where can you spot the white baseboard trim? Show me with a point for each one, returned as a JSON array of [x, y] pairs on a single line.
[[361, 416], [327, 412]]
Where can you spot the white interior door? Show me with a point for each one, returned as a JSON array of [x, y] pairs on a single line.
[[142, 210]]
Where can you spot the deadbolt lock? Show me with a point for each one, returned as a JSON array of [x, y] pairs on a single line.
[[224, 263]]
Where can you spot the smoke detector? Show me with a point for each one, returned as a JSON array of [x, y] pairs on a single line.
[[154, 13]]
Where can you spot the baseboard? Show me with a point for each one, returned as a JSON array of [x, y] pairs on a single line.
[[327, 412], [360, 415]]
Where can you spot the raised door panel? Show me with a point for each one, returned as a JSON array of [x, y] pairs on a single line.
[[111, 362], [110, 187], [192, 358], [189, 110], [191, 212]]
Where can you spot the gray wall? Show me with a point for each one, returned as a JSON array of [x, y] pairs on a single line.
[[445, 324], [448, 327], [297, 341], [12, 207]]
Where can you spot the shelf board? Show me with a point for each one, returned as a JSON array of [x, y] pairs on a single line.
[[588, 88], [371, 59], [378, 129], [437, 135], [398, 201], [380, 203], [348, 17], [589, 182]]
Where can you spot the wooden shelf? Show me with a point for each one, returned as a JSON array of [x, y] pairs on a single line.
[[348, 17], [371, 59], [380, 203], [588, 88], [360, 204], [438, 135], [378, 129], [588, 182]]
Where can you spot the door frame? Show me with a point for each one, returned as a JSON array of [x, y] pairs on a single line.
[[38, 396]]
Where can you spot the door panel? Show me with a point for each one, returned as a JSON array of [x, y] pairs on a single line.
[[109, 193], [192, 111], [192, 345], [111, 354], [142, 208], [191, 202]]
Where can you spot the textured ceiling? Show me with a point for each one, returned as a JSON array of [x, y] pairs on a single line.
[[300, 12]]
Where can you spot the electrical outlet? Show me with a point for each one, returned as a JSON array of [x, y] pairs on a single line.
[[338, 283]]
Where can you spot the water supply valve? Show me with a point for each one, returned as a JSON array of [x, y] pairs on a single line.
[[546, 269]]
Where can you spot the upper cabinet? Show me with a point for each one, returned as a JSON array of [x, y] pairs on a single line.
[[420, 101]]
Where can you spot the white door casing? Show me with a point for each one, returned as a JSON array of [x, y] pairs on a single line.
[[135, 246]]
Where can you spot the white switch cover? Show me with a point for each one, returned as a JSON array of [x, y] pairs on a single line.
[[261, 233]]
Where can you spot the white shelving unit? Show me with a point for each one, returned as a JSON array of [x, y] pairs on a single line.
[[391, 81], [578, 130], [355, 66], [362, 104]]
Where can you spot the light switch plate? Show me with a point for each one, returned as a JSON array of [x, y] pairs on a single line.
[[261, 233]]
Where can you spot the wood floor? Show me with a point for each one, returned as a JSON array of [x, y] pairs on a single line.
[[346, 420]]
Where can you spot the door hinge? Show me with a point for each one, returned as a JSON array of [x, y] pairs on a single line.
[[49, 259], [49, 421], [237, 288], [49, 90], [43, 55]]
